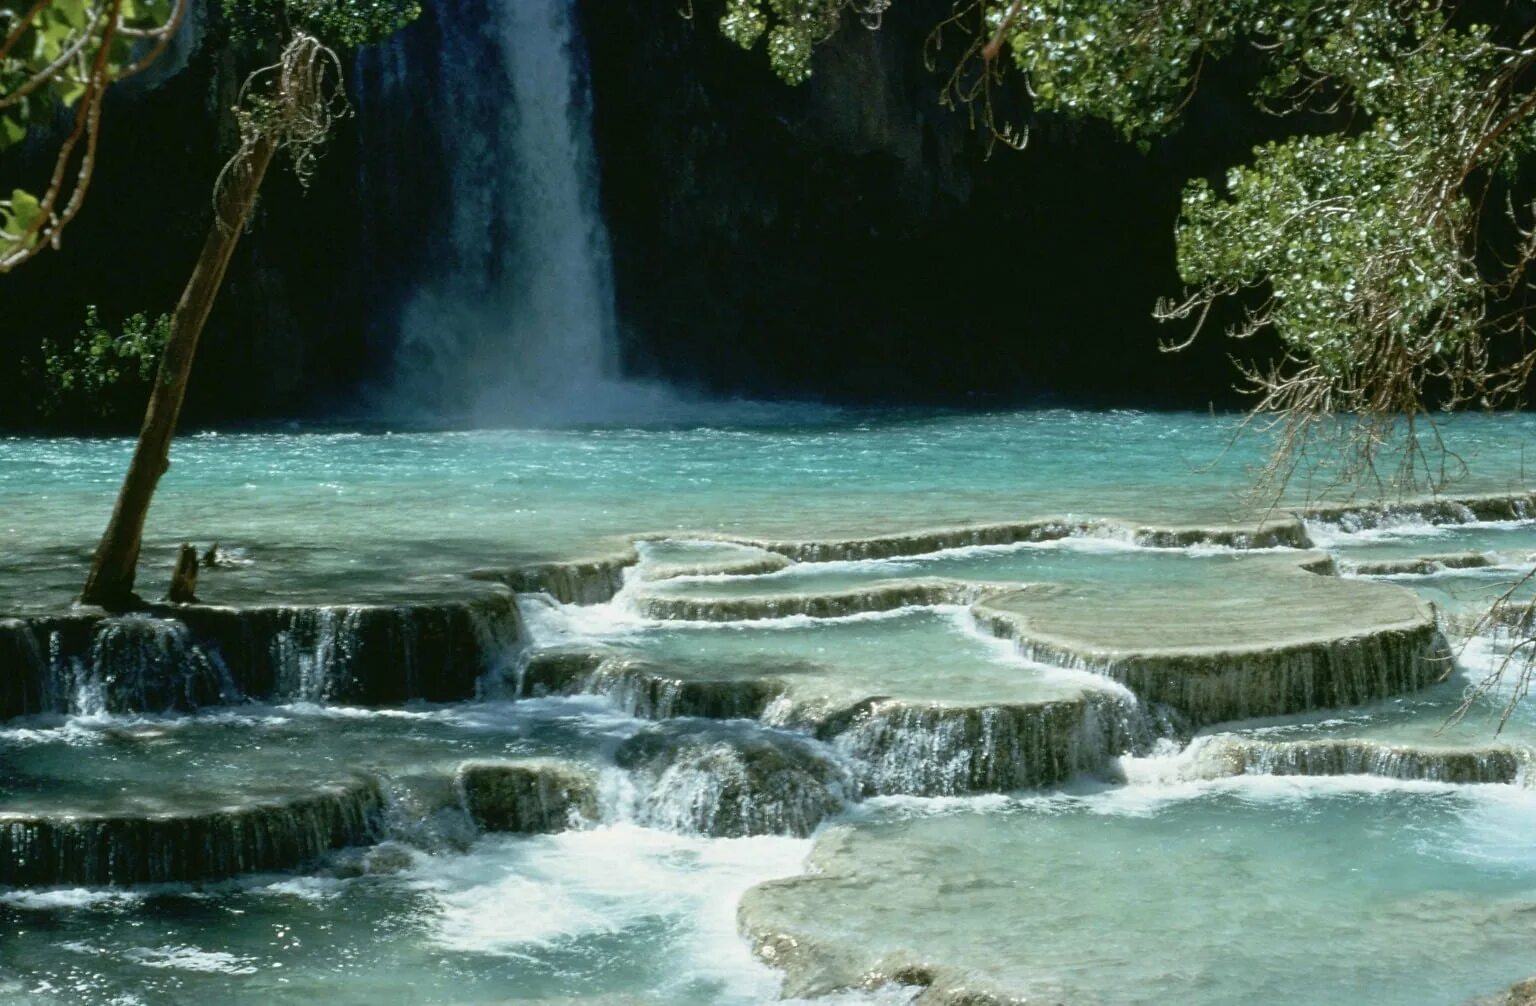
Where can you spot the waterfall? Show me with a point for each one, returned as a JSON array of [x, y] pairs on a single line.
[[516, 322]]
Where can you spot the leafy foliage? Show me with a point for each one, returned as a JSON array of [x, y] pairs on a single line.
[[793, 28], [335, 23], [70, 35], [64, 54], [102, 375]]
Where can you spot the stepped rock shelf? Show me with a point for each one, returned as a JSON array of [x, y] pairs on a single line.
[[1275, 645], [747, 686]]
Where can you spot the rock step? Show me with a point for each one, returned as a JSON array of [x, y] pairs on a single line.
[[1449, 510], [1227, 754], [184, 657], [1423, 565], [890, 746], [1291, 643], [881, 596], [527, 796], [731, 783], [46, 850]]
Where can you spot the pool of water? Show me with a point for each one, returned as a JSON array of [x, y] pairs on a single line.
[[340, 511]]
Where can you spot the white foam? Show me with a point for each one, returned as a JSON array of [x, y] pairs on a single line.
[[72, 898], [186, 958], [1330, 535], [1006, 651], [513, 896]]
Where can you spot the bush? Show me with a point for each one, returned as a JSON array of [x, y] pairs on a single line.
[[102, 378]]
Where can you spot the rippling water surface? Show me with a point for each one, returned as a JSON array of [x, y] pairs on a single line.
[[1168, 876]]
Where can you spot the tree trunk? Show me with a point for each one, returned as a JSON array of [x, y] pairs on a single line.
[[110, 583]]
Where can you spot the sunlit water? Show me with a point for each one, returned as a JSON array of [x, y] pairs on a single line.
[[332, 512], [1167, 885]]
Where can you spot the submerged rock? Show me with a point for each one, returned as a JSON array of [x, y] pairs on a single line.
[[710, 781], [991, 905], [527, 795], [49, 849]]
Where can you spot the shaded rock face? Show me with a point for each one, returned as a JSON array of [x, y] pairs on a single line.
[[527, 796], [287, 328], [187, 657], [48, 850], [730, 784], [847, 239], [647, 690], [851, 238]]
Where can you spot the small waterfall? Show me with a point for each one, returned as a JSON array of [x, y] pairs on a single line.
[[730, 781], [899, 748], [646, 690], [516, 320], [53, 849], [193, 657], [1233, 755], [136, 663]]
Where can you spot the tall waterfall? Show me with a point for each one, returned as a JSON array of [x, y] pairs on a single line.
[[514, 320]]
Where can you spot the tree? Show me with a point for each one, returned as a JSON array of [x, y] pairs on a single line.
[[1386, 243], [288, 105]]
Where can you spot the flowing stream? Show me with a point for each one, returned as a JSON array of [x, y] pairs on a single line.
[[738, 650]]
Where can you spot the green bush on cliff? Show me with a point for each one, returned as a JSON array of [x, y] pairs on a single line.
[[102, 377]]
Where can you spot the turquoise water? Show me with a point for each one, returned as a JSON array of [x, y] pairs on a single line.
[[1248, 890], [1168, 886], [323, 511]]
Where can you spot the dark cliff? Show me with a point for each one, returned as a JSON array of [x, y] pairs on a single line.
[[846, 240]]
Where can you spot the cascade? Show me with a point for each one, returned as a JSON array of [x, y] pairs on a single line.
[[516, 322]]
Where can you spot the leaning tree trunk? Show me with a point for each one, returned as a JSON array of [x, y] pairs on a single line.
[[110, 583]]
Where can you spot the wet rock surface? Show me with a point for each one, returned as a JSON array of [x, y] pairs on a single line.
[[875, 597], [49, 849], [527, 796], [1284, 641], [185, 657], [731, 783], [1235, 755]]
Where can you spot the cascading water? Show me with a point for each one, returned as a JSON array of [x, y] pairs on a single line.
[[518, 322]]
